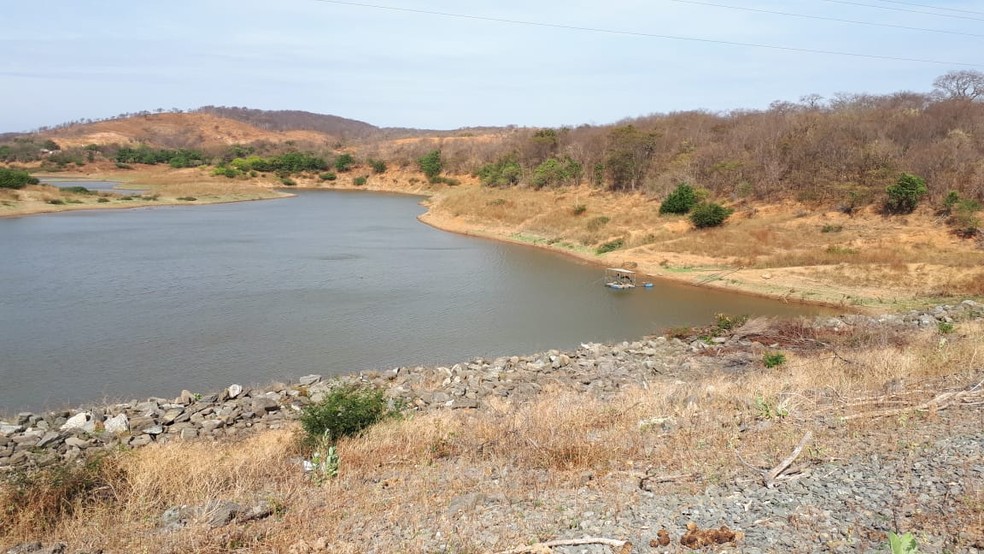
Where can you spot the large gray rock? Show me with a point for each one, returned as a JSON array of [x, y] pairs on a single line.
[[263, 404], [309, 380], [82, 420], [117, 424], [234, 391]]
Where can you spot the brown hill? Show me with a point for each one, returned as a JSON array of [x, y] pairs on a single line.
[[295, 120], [180, 130]]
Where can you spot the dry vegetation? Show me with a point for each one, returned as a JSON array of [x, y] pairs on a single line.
[[397, 481]]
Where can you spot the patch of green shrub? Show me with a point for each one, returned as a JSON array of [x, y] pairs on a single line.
[[121, 165], [773, 359], [360, 181], [964, 219], [56, 201], [831, 228], [579, 209], [15, 178], [345, 411], [344, 162], [187, 198], [430, 164], [288, 182], [555, 171], [709, 214], [904, 195], [76, 190], [226, 172], [328, 176], [724, 323], [610, 246], [680, 201], [378, 166], [102, 200], [505, 172]]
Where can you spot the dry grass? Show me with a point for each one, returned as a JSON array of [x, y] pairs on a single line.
[[399, 479]]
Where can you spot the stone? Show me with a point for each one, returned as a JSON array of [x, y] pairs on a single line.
[[8, 429], [140, 440], [263, 404], [171, 415], [117, 424], [77, 442], [309, 380], [189, 433], [234, 391], [154, 430], [81, 420], [49, 438], [186, 397]]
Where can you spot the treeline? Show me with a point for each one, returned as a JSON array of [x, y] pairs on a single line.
[[845, 150]]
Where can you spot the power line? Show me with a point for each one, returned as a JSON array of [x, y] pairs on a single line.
[[958, 10], [645, 35], [963, 17], [823, 18]]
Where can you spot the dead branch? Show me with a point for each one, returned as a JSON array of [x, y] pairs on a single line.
[[624, 547], [647, 481], [941, 401], [770, 477]]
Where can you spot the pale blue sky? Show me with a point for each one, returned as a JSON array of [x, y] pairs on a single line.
[[69, 59]]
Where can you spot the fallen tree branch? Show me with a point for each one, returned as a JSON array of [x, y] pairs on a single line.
[[941, 401], [624, 547], [770, 477]]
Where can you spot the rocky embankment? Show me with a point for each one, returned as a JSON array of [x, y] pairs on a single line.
[[36, 440]]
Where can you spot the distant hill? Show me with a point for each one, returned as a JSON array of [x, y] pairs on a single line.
[[181, 130], [295, 120]]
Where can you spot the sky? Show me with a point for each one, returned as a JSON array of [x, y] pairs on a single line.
[[401, 63]]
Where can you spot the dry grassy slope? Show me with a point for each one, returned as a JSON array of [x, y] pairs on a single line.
[[196, 130], [789, 250]]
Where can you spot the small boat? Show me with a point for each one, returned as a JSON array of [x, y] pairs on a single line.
[[619, 279]]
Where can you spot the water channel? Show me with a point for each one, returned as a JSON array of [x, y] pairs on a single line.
[[120, 304]]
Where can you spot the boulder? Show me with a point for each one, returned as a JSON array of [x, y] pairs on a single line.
[[117, 424], [81, 420], [263, 404], [234, 391]]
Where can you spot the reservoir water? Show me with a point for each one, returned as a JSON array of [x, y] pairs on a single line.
[[120, 304]]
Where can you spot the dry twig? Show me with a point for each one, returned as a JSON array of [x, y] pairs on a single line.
[[771, 476], [624, 547]]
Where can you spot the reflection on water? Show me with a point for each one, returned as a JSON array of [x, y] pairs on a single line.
[[149, 301]]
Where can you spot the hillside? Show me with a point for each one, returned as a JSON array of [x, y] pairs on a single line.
[[180, 130], [294, 120]]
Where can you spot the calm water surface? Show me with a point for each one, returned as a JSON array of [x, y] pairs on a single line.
[[121, 304]]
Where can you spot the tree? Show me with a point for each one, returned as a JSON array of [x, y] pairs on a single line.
[[709, 214], [904, 195], [964, 84], [430, 164], [15, 178], [680, 201], [628, 154]]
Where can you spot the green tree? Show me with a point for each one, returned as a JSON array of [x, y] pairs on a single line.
[[15, 178], [680, 201], [709, 214], [344, 162], [430, 164], [556, 172], [504, 172], [904, 195]]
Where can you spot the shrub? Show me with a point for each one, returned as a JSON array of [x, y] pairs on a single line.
[[345, 411], [328, 176], [709, 214], [680, 201], [904, 195], [502, 173], [724, 323], [187, 198], [964, 218], [76, 190], [610, 246], [225, 171], [579, 209], [773, 359], [831, 228], [121, 165], [430, 164], [56, 201], [344, 163], [15, 178], [597, 223], [556, 171], [102, 200], [359, 181], [378, 166], [288, 182], [944, 327], [445, 180]]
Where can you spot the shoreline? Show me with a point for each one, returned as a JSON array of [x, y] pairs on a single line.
[[783, 283]]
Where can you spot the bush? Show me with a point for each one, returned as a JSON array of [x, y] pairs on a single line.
[[56, 201], [344, 412], [502, 173], [831, 228], [225, 171], [15, 178], [430, 164], [359, 181], [904, 195], [76, 190], [102, 200], [445, 181], [288, 182], [597, 223], [680, 201], [964, 218], [344, 163], [773, 359], [709, 214], [556, 171], [610, 246], [579, 209], [187, 198], [378, 166], [328, 176]]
